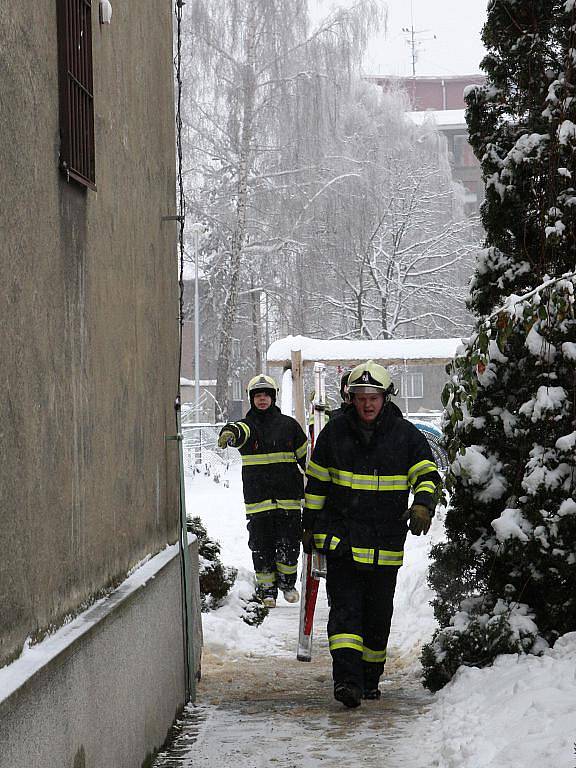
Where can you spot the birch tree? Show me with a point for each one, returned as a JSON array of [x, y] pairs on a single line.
[[251, 69]]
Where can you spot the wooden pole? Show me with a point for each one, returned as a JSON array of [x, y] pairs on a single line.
[[298, 388]]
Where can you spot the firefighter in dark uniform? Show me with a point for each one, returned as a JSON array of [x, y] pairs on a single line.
[[362, 470], [273, 449]]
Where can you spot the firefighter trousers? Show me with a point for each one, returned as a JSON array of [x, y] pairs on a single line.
[[274, 540], [361, 606]]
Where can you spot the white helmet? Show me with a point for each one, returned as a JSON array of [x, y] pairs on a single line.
[[371, 377], [262, 383]]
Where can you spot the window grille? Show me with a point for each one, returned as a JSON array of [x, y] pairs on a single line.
[[76, 91], [412, 385]]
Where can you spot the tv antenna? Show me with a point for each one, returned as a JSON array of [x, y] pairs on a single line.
[[414, 39]]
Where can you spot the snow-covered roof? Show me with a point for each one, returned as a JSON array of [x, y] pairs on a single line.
[[192, 383], [344, 350], [442, 118]]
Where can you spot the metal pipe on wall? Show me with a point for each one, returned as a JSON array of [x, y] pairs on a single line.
[[196, 229]]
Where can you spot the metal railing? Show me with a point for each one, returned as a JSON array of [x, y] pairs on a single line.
[[200, 446]]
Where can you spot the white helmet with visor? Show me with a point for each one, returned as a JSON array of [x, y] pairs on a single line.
[[371, 377]]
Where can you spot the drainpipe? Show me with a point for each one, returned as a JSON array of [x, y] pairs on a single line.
[[406, 386], [444, 101], [185, 571]]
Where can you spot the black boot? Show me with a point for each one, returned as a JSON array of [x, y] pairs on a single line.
[[371, 693], [348, 694]]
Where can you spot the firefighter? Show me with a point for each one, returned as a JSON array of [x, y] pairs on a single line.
[[343, 394], [273, 449], [362, 470]]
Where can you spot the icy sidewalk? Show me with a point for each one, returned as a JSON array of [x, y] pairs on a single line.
[[258, 706], [263, 710]]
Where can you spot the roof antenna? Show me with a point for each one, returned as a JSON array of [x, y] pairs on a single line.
[[414, 38]]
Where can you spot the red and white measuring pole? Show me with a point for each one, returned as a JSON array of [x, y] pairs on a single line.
[[314, 564]]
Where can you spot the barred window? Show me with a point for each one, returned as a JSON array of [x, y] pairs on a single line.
[[76, 91]]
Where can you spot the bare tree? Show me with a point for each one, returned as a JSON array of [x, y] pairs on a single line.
[[259, 82], [399, 242]]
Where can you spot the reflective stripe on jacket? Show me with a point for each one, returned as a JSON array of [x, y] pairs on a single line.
[[273, 449], [358, 489]]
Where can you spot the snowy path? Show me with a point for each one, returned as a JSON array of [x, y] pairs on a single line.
[[258, 707], [255, 710]]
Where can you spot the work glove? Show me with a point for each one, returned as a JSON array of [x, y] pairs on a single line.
[[307, 541], [229, 434], [420, 519]]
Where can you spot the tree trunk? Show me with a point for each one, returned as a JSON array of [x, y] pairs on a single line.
[[256, 333], [239, 233]]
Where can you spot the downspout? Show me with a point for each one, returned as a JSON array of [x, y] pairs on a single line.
[[185, 566], [406, 386]]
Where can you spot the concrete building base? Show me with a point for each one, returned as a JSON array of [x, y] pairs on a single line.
[[104, 690]]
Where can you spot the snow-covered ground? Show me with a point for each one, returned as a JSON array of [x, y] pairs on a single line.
[[520, 713]]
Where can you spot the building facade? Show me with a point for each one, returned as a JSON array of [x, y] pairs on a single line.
[[89, 314], [431, 92], [417, 368], [440, 101]]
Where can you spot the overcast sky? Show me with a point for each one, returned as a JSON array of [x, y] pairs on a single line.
[[448, 32]]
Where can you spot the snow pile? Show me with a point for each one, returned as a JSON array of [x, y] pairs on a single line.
[[225, 632], [221, 508], [520, 712], [413, 622]]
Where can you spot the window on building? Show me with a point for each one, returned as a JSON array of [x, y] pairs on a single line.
[[236, 389], [76, 91], [236, 349], [463, 156], [412, 385]]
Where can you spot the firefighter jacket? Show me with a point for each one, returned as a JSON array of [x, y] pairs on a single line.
[[358, 489], [273, 449]]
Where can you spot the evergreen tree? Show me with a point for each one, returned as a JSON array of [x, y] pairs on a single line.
[[216, 579], [505, 577]]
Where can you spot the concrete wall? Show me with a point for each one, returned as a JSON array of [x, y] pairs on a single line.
[[107, 699], [88, 311]]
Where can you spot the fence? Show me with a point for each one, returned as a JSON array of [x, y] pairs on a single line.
[[200, 446]]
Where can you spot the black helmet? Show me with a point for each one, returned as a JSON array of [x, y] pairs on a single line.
[[344, 384]]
